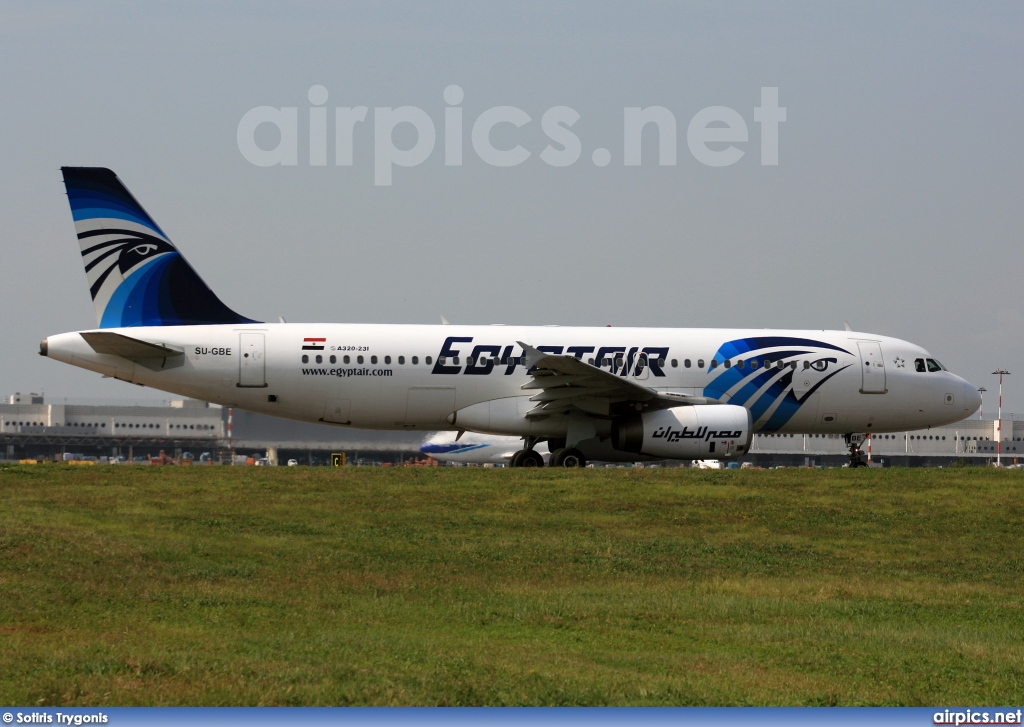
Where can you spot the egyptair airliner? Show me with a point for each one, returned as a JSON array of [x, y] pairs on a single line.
[[612, 394]]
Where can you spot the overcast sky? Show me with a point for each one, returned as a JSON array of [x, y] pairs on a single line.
[[896, 203]]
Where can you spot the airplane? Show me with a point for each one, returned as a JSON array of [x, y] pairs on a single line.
[[609, 394], [495, 449], [474, 448]]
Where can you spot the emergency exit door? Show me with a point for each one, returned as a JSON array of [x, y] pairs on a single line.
[[252, 366], [872, 368]]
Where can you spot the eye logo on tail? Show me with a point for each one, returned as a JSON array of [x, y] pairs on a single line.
[[136, 276]]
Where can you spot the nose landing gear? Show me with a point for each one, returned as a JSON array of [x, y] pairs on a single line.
[[853, 441]]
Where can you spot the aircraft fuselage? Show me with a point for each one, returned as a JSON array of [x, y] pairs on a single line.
[[417, 376]]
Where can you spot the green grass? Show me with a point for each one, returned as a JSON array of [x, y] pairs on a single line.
[[210, 586]]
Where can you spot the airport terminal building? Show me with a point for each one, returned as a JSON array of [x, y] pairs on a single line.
[[31, 428], [973, 441]]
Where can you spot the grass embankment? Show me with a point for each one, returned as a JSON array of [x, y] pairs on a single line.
[[152, 585]]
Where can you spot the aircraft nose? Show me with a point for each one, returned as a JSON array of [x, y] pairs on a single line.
[[972, 398]]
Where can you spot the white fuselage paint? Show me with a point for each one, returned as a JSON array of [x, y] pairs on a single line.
[[272, 379]]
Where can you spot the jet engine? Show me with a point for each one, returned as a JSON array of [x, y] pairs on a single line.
[[686, 432]]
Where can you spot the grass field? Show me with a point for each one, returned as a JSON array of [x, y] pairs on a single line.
[[303, 586]]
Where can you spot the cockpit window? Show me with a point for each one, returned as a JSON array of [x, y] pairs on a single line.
[[933, 365], [919, 365]]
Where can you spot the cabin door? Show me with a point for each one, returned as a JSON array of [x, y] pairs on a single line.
[[252, 365]]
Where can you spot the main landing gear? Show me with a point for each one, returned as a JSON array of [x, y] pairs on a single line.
[[527, 458], [853, 441], [568, 457], [561, 456]]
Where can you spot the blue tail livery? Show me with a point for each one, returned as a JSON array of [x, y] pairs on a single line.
[[136, 276]]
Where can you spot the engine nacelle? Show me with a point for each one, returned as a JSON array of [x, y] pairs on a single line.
[[507, 416], [686, 432]]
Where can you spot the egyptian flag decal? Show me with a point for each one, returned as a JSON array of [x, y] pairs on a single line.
[[313, 344]]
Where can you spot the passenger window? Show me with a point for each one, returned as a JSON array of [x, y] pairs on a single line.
[[714, 364], [675, 363], [415, 360], [728, 363], [346, 359], [686, 363], [700, 363], [919, 365], [305, 358], [334, 359], [319, 358], [589, 361], [807, 365], [753, 364], [401, 360], [933, 365], [427, 360], [387, 359], [455, 360], [739, 364], [359, 359]]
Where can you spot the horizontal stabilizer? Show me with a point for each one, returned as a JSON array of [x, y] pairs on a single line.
[[133, 349]]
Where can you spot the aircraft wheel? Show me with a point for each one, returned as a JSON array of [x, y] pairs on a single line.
[[570, 457], [527, 458], [517, 458]]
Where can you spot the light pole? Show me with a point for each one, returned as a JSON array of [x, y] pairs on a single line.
[[981, 407], [999, 421]]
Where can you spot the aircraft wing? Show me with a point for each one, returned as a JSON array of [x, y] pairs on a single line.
[[566, 382]]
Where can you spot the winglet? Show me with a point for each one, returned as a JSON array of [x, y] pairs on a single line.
[[531, 354]]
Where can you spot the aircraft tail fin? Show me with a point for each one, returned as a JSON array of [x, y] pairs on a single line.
[[136, 276]]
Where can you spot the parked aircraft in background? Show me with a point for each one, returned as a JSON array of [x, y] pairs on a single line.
[[613, 394], [475, 448]]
